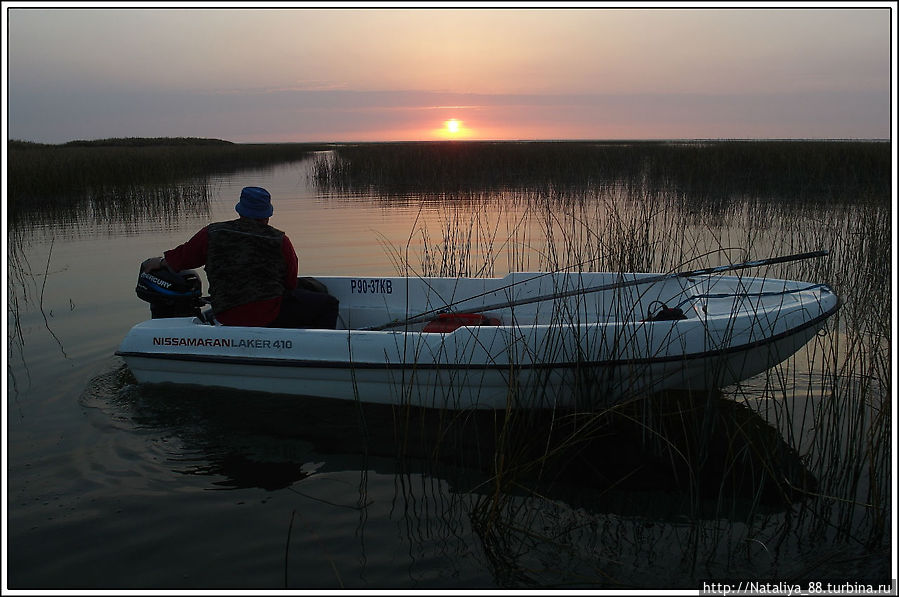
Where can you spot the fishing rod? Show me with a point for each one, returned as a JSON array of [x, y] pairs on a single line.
[[428, 315]]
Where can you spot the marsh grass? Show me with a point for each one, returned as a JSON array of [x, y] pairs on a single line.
[[708, 171], [122, 178], [769, 470]]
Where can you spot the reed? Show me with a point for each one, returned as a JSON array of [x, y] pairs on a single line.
[[798, 456], [711, 171], [112, 174]]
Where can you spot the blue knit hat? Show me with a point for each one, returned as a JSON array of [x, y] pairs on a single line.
[[255, 202]]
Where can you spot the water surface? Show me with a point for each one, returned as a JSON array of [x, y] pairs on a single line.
[[113, 485]]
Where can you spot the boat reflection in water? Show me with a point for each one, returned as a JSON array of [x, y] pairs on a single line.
[[521, 485], [273, 441]]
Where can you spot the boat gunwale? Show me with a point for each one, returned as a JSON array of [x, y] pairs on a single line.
[[309, 363]]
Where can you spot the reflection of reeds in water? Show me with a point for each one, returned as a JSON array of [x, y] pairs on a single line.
[[811, 435]]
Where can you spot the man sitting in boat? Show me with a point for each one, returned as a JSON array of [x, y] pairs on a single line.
[[252, 270]]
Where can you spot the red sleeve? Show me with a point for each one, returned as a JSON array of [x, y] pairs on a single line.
[[190, 254], [290, 258]]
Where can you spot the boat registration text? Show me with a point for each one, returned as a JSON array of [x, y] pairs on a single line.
[[371, 286]]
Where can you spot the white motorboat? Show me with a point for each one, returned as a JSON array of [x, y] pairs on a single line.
[[527, 340]]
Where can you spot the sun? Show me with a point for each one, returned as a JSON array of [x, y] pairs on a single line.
[[452, 129]]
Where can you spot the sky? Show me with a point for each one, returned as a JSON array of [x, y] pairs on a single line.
[[395, 72]]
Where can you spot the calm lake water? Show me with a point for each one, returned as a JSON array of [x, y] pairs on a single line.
[[115, 486]]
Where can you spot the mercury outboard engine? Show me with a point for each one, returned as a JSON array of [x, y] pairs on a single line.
[[171, 294]]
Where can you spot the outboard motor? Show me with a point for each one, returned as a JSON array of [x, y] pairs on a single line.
[[171, 294]]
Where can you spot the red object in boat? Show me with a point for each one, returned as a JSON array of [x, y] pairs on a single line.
[[448, 322]]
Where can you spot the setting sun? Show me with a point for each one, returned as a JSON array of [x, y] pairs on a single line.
[[453, 128]]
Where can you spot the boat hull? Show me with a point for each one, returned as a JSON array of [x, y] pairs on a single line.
[[579, 353]]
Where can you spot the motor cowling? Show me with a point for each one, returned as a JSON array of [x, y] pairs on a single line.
[[170, 293]]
